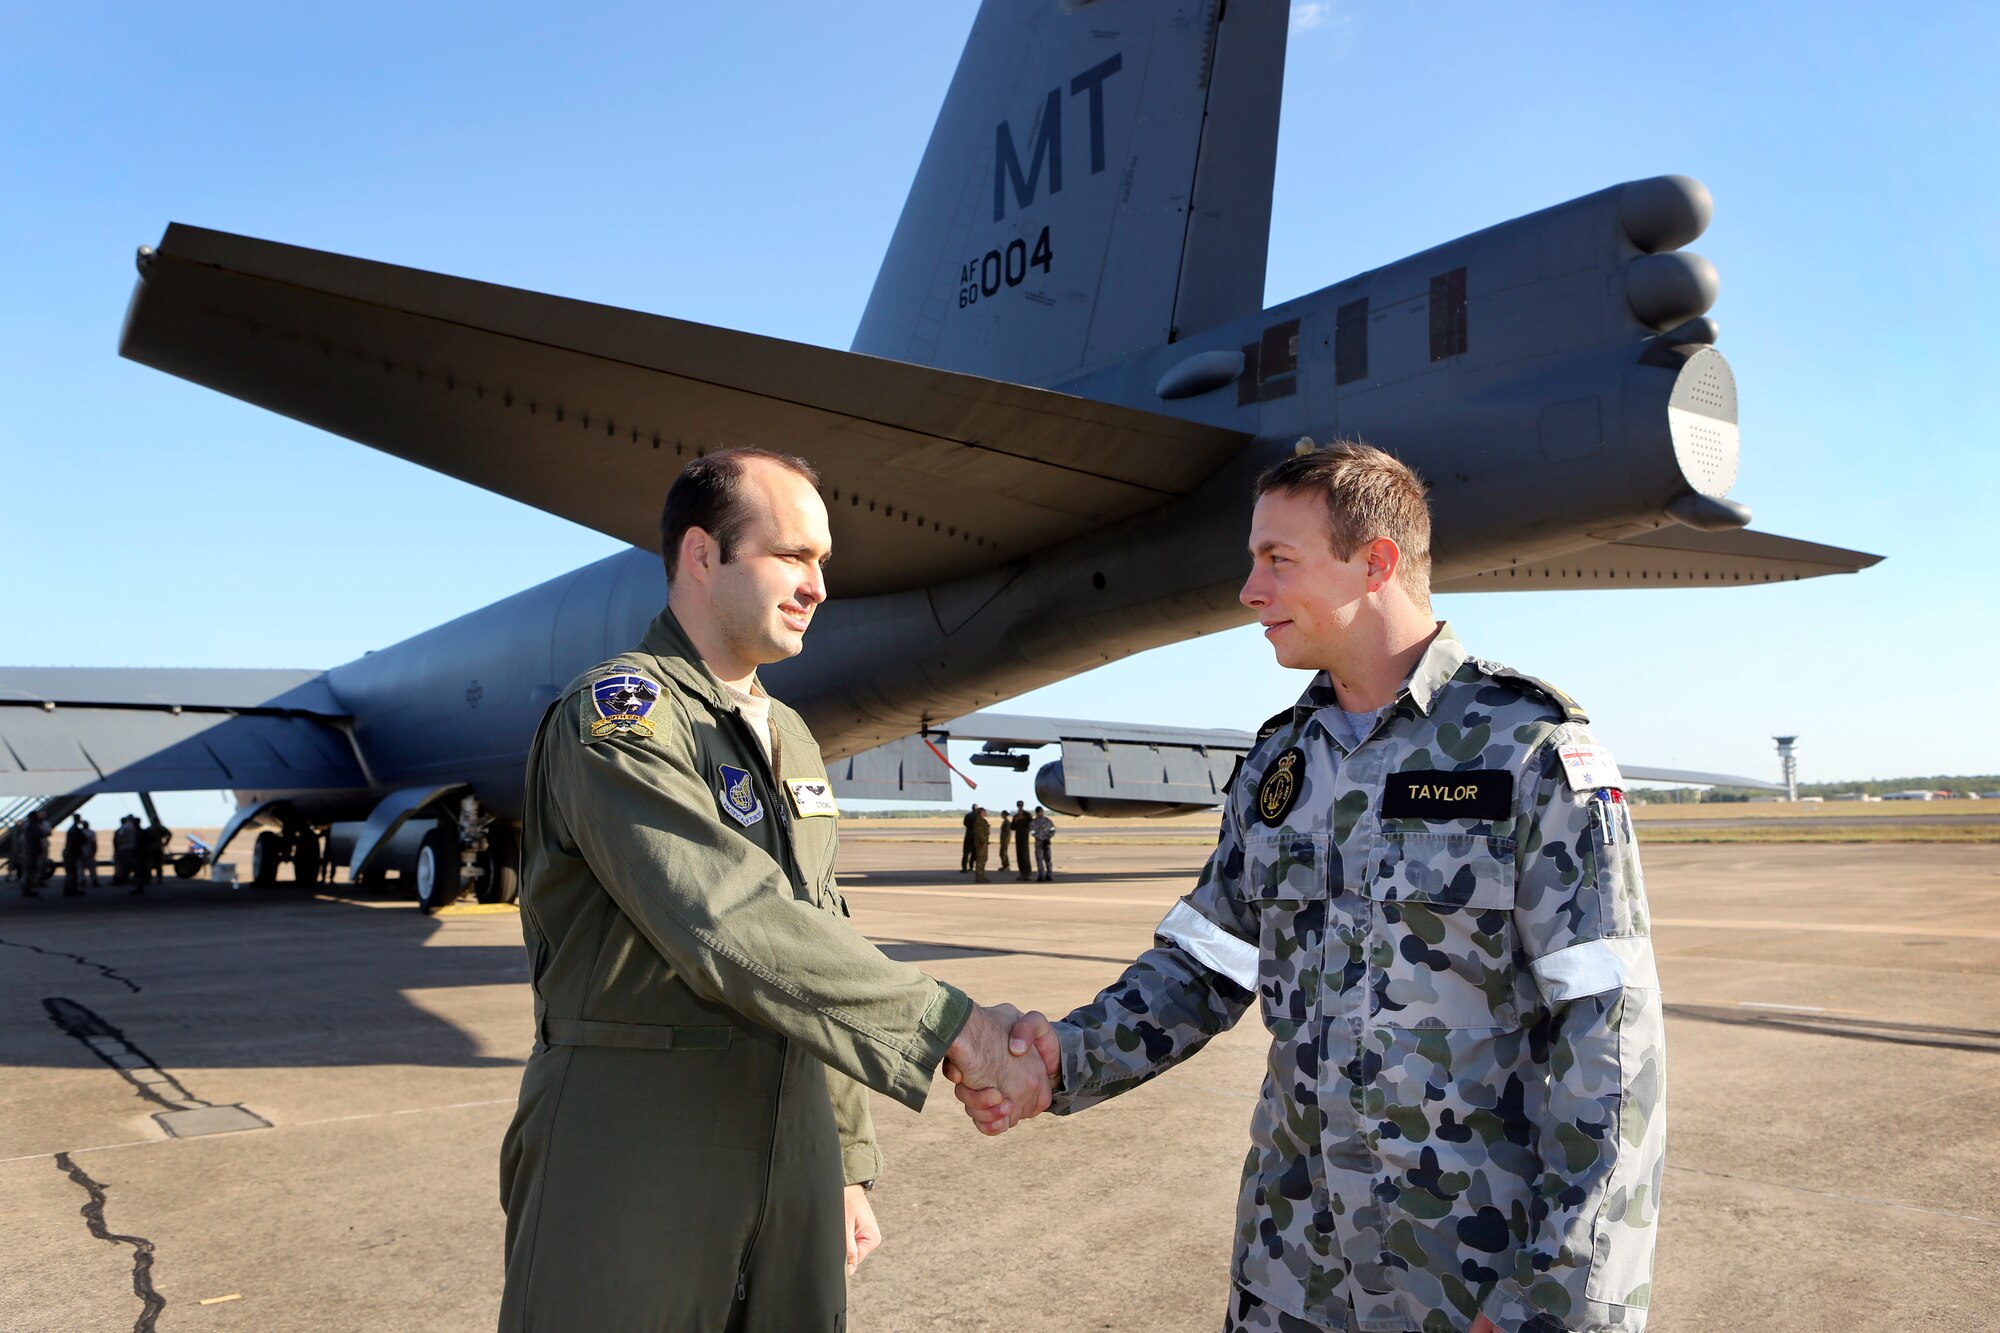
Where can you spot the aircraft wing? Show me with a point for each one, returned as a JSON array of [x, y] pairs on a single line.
[[1110, 760], [1672, 557], [83, 731], [588, 412]]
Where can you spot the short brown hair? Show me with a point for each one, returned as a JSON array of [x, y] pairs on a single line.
[[708, 495], [1368, 494]]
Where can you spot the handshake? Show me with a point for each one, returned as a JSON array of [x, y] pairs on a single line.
[[1004, 1064]]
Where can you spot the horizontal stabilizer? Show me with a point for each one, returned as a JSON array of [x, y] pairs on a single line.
[[1672, 557], [589, 412]]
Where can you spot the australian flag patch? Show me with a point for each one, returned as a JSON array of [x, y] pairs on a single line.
[[623, 705], [739, 795]]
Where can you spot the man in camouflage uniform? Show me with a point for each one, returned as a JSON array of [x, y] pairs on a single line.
[[1427, 880], [693, 1143]]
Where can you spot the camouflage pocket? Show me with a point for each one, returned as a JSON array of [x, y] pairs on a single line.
[[1285, 881], [1441, 948]]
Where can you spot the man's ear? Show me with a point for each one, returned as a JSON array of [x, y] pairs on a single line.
[[697, 553], [1384, 559]]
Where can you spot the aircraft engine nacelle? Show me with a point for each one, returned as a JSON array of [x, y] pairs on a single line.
[[1049, 791]]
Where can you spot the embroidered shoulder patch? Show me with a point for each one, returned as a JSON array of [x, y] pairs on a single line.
[[621, 705], [738, 794], [1590, 766], [1280, 787]]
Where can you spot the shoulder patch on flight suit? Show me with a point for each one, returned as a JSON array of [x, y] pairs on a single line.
[[1572, 710], [1280, 787], [621, 704]]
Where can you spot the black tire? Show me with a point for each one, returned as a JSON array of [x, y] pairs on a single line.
[[187, 865], [305, 858], [501, 882], [437, 878], [266, 854]]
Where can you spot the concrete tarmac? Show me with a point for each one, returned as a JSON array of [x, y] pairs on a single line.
[[1834, 1048]]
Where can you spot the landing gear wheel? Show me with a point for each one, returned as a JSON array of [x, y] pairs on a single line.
[[437, 870], [501, 864], [187, 865], [305, 858], [266, 854]]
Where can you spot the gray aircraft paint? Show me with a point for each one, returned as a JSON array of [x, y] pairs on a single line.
[[1552, 377]]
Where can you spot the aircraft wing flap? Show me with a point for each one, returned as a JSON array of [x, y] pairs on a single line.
[[1672, 557], [588, 412], [86, 751], [170, 688], [1028, 730]]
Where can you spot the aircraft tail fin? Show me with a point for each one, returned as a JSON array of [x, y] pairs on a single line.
[[1098, 181]]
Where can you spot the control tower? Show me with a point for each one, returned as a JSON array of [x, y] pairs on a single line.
[[1788, 759]]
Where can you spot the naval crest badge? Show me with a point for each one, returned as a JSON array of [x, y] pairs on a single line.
[[739, 795], [1280, 787], [623, 704]]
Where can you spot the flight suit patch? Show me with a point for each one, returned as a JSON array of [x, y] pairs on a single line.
[[1484, 793], [738, 795], [1280, 787], [812, 798], [623, 704]]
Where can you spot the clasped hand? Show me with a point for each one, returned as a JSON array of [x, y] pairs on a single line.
[[1003, 1064]]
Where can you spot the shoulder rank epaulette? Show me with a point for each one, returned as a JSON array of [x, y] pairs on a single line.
[[1271, 727], [1572, 711], [1274, 723]]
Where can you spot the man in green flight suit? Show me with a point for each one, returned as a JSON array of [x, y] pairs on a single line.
[[693, 1146]]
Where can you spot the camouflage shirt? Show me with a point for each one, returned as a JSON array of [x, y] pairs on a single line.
[[1444, 927]]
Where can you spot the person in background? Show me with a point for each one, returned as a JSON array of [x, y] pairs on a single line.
[[1044, 830]]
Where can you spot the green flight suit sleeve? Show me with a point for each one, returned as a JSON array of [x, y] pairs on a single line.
[[722, 911], [860, 1155], [1600, 1131]]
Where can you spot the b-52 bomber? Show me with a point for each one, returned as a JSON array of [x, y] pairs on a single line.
[[1037, 453]]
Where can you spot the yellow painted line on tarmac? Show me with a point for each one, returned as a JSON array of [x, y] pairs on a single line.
[[476, 909], [1827, 927]]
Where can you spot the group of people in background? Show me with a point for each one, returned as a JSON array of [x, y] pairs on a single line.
[[1018, 827], [138, 854]]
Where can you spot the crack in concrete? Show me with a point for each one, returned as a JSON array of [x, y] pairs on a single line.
[[142, 1249], [111, 1046], [111, 973]]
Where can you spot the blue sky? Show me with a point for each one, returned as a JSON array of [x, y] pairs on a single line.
[[743, 165]]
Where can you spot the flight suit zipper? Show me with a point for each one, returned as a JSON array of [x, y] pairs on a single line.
[[769, 765], [770, 1169]]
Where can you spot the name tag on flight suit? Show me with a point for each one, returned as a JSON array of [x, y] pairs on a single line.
[[1483, 793], [812, 798]]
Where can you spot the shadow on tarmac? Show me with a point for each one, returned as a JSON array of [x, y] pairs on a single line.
[[268, 978]]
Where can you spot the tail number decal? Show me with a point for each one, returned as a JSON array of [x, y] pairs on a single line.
[[986, 275]]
